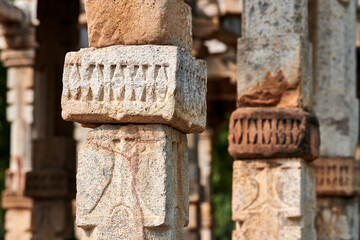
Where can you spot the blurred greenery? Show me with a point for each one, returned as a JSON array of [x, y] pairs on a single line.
[[4, 141], [222, 184]]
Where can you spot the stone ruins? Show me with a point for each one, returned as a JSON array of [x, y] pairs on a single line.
[[116, 109]]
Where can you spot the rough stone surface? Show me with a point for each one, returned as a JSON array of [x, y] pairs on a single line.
[[336, 177], [132, 183], [135, 84], [334, 101], [267, 18], [273, 199], [273, 132], [274, 71], [335, 219], [139, 22]]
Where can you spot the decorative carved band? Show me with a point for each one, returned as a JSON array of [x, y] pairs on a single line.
[[257, 133], [337, 177], [14, 200], [18, 58], [50, 184]]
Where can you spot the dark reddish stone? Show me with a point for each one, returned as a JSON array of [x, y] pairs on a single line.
[[257, 133]]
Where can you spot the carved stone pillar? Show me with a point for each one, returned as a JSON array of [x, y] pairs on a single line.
[[271, 136], [132, 178], [333, 33]]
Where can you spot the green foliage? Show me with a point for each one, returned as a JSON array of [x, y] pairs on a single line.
[[4, 141], [222, 185]]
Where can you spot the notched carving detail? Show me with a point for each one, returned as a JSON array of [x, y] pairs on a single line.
[[337, 177], [164, 85], [273, 132]]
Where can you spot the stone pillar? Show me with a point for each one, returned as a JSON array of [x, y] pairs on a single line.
[[333, 33], [205, 161], [51, 183], [18, 55], [132, 178], [20, 81], [272, 136], [195, 191], [200, 217]]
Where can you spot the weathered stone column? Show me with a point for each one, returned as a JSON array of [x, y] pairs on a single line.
[[18, 55], [333, 33], [20, 81], [200, 222], [272, 136], [132, 178]]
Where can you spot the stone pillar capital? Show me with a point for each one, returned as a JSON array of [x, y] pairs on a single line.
[[18, 58]]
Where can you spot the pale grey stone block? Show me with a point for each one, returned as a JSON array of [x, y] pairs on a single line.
[[266, 18]]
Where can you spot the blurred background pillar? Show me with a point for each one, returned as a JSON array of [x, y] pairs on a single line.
[[51, 182], [18, 56], [333, 34]]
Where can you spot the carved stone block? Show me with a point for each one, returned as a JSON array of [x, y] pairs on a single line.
[[132, 183], [336, 177], [139, 22], [50, 184], [273, 200], [273, 132], [135, 84], [337, 218], [267, 18], [274, 71]]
